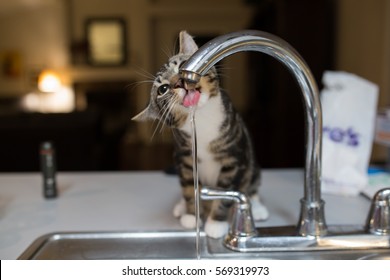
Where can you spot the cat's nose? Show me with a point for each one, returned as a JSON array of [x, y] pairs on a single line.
[[179, 84], [189, 85]]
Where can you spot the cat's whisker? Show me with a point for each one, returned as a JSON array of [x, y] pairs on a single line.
[[155, 130], [165, 109], [164, 97], [224, 76], [160, 122], [164, 113], [145, 74], [222, 71], [222, 67], [174, 101], [167, 51], [134, 85]]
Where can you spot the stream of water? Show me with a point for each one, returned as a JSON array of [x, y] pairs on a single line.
[[196, 181]]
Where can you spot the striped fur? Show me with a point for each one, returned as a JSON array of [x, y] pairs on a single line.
[[225, 151]]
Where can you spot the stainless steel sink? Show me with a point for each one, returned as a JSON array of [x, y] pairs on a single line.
[[167, 245]]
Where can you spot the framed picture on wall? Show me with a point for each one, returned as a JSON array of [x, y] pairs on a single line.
[[106, 39]]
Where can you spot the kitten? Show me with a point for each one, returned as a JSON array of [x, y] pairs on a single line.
[[225, 152]]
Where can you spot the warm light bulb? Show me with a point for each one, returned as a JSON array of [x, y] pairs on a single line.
[[49, 81]]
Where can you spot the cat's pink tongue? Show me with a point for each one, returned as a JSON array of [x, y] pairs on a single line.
[[191, 98]]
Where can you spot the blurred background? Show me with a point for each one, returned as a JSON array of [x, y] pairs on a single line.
[[73, 72]]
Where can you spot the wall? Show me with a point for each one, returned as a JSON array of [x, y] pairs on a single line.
[[363, 47], [38, 35]]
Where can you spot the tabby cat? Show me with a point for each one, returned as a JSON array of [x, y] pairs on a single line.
[[225, 152]]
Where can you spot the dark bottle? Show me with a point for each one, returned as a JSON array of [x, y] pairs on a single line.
[[48, 169]]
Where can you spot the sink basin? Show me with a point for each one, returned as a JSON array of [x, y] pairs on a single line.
[[167, 245]]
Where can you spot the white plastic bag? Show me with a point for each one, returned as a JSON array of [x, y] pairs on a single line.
[[349, 108]]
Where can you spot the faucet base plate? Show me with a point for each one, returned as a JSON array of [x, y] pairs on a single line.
[[288, 239]]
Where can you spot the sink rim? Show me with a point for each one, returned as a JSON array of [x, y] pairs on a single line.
[[211, 248], [40, 242]]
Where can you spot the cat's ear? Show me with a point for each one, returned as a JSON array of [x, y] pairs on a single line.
[[187, 44], [145, 115]]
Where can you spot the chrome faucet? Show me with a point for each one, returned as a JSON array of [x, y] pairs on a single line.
[[311, 230], [312, 221]]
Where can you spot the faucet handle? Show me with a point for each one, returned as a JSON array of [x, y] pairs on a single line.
[[242, 224], [378, 221]]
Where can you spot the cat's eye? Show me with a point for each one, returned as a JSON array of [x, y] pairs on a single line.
[[163, 89]]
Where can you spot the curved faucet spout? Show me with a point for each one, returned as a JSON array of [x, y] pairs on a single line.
[[312, 221]]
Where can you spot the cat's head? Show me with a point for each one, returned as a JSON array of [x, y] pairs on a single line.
[[170, 101]]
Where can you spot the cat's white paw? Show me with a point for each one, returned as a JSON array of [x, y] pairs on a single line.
[[179, 209], [216, 229], [188, 221], [259, 211]]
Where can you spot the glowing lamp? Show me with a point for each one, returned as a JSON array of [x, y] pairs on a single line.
[[49, 81]]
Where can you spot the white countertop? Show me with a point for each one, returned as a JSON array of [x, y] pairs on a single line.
[[133, 201]]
